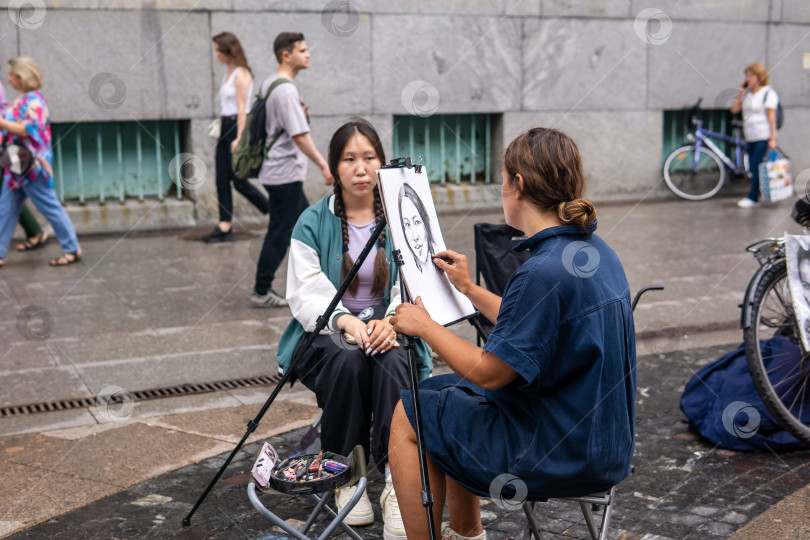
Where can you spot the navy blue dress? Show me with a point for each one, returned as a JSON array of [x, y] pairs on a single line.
[[565, 426]]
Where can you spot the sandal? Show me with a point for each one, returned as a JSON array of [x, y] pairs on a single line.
[[66, 259], [39, 241]]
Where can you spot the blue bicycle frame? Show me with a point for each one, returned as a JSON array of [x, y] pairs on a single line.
[[702, 137]]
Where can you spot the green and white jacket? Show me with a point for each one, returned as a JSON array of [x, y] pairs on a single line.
[[313, 277]]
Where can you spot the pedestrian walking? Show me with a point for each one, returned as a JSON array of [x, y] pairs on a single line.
[[235, 94], [35, 237], [284, 168], [27, 124], [758, 102]]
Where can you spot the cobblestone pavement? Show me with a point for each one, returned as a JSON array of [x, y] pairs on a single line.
[[682, 488]]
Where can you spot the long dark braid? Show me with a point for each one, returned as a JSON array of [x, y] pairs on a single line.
[[340, 212], [380, 261]]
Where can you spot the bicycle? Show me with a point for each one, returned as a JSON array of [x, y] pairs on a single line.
[[697, 171], [782, 380]]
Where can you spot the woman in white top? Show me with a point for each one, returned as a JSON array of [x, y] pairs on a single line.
[[758, 103], [234, 98]]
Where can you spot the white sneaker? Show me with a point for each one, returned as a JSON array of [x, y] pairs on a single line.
[[393, 527], [270, 299], [450, 534], [747, 203], [362, 513]]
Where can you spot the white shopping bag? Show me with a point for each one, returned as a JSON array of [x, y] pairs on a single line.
[[775, 182]]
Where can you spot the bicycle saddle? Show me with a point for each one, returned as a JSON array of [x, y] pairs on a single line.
[[801, 212]]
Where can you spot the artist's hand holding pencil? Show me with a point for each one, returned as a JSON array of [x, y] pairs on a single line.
[[457, 269]]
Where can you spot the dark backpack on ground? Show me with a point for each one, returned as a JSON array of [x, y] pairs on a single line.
[[247, 157], [723, 405], [780, 115]]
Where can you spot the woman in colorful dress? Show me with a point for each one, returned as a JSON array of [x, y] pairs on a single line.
[[27, 124]]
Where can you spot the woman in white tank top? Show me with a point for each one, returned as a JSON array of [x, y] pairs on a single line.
[[235, 95]]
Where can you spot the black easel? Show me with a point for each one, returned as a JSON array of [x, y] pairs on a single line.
[[410, 346], [320, 324]]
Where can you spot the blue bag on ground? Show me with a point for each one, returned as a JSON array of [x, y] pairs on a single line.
[[723, 405]]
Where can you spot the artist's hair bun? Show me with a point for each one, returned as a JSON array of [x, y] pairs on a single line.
[[577, 212]]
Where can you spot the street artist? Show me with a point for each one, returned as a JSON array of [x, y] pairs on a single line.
[[550, 397]]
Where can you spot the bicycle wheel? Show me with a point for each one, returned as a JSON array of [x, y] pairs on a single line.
[[694, 184], [779, 367]]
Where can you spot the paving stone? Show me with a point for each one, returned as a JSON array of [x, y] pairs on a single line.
[[704, 510], [733, 518], [685, 519], [672, 530], [717, 528]]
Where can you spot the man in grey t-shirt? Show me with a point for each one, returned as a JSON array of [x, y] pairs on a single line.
[[284, 168]]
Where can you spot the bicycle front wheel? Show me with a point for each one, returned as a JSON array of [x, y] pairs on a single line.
[[694, 183], [778, 365]]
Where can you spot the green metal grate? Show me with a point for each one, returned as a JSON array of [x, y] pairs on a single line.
[[115, 160], [677, 123], [453, 147]]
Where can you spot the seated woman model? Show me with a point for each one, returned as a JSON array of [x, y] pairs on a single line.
[[557, 375], [352, 384]]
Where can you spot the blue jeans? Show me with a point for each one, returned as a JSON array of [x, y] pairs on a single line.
[[44, 198], [756, 153]]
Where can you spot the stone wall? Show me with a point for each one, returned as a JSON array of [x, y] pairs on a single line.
[[603, 70]]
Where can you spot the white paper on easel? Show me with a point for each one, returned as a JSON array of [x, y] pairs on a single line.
[[797, 255], [415, 232]]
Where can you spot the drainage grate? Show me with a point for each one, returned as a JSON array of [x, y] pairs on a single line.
[[138, 395]]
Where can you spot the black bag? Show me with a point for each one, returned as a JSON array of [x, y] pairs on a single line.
[[247, 157], [17, 159]]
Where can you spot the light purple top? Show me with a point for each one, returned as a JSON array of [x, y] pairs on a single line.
[[358, 236]]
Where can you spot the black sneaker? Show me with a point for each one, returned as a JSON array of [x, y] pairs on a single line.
[[218, 235]]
